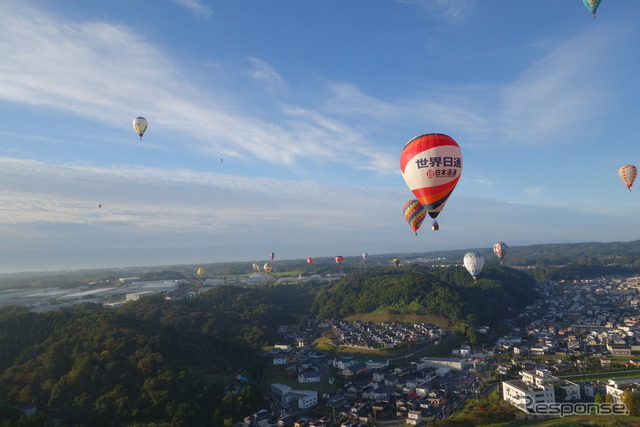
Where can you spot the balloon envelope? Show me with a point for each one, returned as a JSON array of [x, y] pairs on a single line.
[[500, 249], [339, 259], [592, 5], [628, 174], [431, 165], [200, 271], [309, 260], [414, 212], [140, 125], [267, 267], [396, 262], [272, 255], [365, 256], [473, 262]]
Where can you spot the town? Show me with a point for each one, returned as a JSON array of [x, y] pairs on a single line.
[[574, 329]]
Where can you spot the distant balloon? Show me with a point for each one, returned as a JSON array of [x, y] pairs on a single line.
[[272, 255], [267, 267], [435, 226], [396, 262], [592, 5], [414, 212], [99, 206], [628, 174], [339, 259], [473, 262], [309, 260], [431, 165], [500, 249], [140, 125], [200, 271], [256, 266], [365, 256]]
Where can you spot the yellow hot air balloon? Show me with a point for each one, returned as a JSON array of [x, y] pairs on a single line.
[[200, 271]]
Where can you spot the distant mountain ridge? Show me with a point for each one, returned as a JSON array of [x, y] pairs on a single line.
[[530, 255]]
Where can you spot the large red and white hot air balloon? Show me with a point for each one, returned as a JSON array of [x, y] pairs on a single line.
[[628, 174], [431, 165]]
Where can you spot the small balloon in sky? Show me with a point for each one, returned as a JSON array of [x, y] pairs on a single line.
[[414, 213], [592, 5], [628, 174], [140, 125], [473, 262]]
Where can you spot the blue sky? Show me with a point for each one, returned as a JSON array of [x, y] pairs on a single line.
[[308, 104]]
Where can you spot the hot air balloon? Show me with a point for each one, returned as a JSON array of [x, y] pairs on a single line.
[[592, 5], [414, 213], [473, 262], [272, 255], [339, 259], [256, 266], [140, 125], [500, 249], [99, 206], [627, 174], [309, 260], [200, 271], [396, 262], [431, 165], [435, 226], [365, 256], [267, 267]]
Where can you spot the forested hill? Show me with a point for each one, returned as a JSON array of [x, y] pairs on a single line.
[[447, 292], [151, 362]]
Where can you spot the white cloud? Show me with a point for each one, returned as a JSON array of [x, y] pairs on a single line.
[[264, 74], [196, 7], [557, 95]]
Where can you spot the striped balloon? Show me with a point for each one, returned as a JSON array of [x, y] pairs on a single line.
[[414, 213], [431, 165]]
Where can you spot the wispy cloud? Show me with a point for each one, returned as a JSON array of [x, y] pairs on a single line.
[[456, 11], [264, 74], [558, 94], [117, 73], [196, 7]]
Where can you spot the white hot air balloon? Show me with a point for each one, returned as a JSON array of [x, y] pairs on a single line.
[[140, 125], [628, 174], [473, 262]]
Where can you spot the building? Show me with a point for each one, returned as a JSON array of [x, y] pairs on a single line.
[[304, 399], [616, 387], [534, 388], [443, 362], [414, 418]]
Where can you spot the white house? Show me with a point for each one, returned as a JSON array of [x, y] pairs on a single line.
[[414, 418], [309, 377]]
